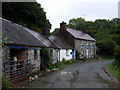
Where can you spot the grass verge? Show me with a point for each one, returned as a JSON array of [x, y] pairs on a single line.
[[114, 68], [61, 65]]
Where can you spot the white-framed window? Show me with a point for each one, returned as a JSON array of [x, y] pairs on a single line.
[[87, 52], [91, 51], [81, 42], [82, 51], [91, 43], [87, 43], [67, 52]]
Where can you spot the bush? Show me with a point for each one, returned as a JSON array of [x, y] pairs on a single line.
[[114, 68], [45, 53], [5, 82], [61, 64], [117, 54], [77, 55], [106, 47]]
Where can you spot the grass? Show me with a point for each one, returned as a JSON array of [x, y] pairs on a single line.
[[114, 68], [64, 63], [109, 83], [100, 59]]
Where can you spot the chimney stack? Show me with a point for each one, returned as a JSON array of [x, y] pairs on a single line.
[[46, 31], [84, 31], [63, 26]]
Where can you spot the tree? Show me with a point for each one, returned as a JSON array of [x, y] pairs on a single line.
[[106, 32], [117, 54], [28, 14], [78, 23], [106, 47], [55, 31]]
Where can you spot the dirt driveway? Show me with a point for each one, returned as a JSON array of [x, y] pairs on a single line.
[[80, 75]]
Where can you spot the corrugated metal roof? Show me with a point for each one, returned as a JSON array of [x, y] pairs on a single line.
[[79, 34], [60, 42]]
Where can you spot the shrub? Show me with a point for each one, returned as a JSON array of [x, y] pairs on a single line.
[[46, 56], [77, 55], [117, 54], [106, 47], [63, 59], [5, 82]]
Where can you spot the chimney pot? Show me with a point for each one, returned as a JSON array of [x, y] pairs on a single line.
[[63, 25]]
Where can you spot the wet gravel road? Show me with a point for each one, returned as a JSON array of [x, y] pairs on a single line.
[[79, 75]]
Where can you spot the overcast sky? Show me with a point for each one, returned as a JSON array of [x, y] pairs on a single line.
[[64, 10]]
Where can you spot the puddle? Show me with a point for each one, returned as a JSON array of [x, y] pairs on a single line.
[[74, 78], [64, 72]]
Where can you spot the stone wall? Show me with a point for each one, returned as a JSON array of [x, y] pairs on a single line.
[[5, 53], [86, 48], [34, 63], [5, 57]]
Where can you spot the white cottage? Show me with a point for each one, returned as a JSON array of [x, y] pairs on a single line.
[[65, 50]]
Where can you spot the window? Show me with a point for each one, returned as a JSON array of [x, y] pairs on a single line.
[[35, 55], [91, 43], [87, 43], [81, 42], [82, 51], [67, 52]]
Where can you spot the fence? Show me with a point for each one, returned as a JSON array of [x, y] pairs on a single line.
[[18, 70]]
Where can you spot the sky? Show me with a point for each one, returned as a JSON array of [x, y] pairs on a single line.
[[64, 10]]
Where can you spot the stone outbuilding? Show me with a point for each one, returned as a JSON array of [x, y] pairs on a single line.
[[22, 56]]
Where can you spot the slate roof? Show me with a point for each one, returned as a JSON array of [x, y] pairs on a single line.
[[79, 34], [60, 42], [20, 35], [45, 40]]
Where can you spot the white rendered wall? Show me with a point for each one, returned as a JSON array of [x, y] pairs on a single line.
[[63, 54]]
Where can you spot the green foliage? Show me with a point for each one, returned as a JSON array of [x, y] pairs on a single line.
[[77, 55], [63, 59], [106, 47], [27, 14], [45, 53], [106, 32], [116, 38], [117, 54], [55, 31], [114, 68], [78, 23], [62, 64], [5, 82], [36, 28]]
